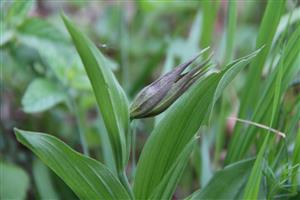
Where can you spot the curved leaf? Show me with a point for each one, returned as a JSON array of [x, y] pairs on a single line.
[[88, 178], [110, 96], [177, 128], [172, 134]]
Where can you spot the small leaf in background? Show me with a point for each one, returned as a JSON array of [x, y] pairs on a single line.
[[226, 183], [41, 95], [43, 182], [14, 182], [42, 29], [18, 11], [88, 178], [110, 97]]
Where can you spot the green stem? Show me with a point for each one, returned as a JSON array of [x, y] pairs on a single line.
[[133, 148], [72, 107], [124, 180], [79, 124]]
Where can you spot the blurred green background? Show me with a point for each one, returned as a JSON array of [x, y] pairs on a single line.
[[44, 86]]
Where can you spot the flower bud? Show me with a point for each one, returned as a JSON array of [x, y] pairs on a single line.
[[159, 95]]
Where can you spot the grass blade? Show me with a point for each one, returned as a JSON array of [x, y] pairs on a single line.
[[230, 32], [263, 110], [253, 184], [209, 10]]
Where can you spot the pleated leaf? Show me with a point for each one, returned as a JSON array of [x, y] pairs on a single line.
[[88, 178], [110, 96]]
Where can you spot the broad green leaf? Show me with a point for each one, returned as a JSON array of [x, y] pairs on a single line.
[[42, 29], [41, 95], [43, 181], [176, 129], [14, 182], [170, 136], [88, 178], [110, 96], [227, 183]]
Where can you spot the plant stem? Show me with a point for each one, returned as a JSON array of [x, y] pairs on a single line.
[[124, 180], [133, 149], [79, 124]]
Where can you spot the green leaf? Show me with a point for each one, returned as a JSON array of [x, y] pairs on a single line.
[[171, 135], [230, 30], [18, 11], [253, 184], [167, 186], [253, 84], [296, 162], [14, 182], [41, 95], [42, 29], [227, 183], [231, 72], [110, 96], [177, 128], [210, 10], [241, 143], [88, 178]]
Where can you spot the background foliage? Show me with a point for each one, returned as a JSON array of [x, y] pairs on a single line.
[[45, 88]]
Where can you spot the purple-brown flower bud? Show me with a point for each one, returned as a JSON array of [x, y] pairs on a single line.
[[162, 93]]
